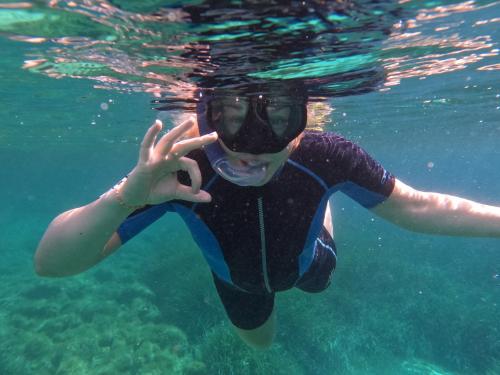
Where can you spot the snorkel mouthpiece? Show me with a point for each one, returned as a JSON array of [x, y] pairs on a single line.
[[252, 173]]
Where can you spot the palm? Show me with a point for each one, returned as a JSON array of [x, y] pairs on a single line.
[[165, 187]]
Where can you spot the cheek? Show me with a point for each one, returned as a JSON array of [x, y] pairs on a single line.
[[277, 162]]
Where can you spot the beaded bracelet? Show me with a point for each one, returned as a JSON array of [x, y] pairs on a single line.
[[122, 203], [119, 197]]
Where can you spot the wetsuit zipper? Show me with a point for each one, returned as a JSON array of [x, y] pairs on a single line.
[[263, 244]]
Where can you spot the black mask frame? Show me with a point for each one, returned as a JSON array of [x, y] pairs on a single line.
[[256, 124]]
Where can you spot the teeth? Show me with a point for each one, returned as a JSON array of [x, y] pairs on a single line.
[[254, 163]]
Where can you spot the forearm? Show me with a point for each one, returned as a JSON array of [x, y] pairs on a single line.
[[437, 213], [76, 239]]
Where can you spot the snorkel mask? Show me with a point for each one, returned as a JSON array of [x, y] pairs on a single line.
[[254, 124]]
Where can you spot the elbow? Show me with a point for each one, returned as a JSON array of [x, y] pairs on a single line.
[[47, 272], [43, 269], [38, 265]]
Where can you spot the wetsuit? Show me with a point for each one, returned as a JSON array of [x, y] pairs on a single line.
[[260, 240]]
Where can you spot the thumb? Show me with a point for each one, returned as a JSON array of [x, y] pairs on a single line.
[[186, 193]]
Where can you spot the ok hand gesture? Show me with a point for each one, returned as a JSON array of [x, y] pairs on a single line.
[[154, 178]]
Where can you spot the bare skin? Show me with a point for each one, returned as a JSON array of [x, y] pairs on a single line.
[[261, 337], [79, 238], [436, 213]]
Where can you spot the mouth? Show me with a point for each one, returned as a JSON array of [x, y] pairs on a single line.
[[244, 172], [245, 164], [253, 163]]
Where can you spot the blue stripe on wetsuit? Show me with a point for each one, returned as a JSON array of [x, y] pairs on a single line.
[[207, 242], [363, 196], [202, 235], [135, 223]]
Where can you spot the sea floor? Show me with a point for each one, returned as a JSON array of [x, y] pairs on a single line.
[[150, 309]]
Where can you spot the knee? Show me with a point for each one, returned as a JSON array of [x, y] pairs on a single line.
[[260, 345], [261, 337], [259, 341]]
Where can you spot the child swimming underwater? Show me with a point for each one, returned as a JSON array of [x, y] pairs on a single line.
[[254, 189]]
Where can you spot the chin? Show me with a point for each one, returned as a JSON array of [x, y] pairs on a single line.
[[264, 181], [259, 184]]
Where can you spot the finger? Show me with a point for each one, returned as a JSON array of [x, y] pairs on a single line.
[[185, 146], [185, 193], [149, 140], [167, 141], [192, 168]]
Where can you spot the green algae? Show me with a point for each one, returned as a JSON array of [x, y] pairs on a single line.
[[159, 314]]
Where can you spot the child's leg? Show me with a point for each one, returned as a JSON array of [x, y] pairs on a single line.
[[261, 337], [252, 315]]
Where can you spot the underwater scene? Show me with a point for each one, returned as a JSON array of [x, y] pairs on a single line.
[[415, 83]]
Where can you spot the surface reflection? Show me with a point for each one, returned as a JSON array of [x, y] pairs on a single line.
[[170, 48]]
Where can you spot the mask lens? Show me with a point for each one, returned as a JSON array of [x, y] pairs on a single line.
[[227, 115], [286, 117], [255, 124]]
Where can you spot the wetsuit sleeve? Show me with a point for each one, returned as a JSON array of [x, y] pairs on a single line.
[[369, 183], [365, 180], [353, 171], [140, 219]]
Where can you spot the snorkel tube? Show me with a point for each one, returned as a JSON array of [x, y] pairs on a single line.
[[249, 174]]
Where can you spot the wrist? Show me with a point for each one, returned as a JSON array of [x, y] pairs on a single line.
[[115, 197], [118, 197]]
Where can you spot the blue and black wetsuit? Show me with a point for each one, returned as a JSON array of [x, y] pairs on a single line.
[[262, 240]]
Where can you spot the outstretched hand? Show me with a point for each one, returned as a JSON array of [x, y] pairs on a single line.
[[154, 178]]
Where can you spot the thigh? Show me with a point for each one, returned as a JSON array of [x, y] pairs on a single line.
[[245, 310]]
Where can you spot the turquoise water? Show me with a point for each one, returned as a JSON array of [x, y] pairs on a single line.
[[400, 302]]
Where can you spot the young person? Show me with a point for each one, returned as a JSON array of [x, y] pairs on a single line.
[[254, 189]]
